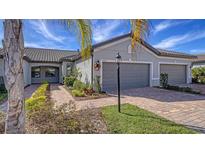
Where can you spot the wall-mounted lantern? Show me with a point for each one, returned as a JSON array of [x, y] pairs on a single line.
[[97, 65]]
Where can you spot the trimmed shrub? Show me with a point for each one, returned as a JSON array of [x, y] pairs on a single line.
[[35, 103], [69, 81], [38, 99], [201, 79], [182, 89], [78, 85], [75, 73], [198, 74], [164, 80], [45, 82], [78, 93], [41, 91]]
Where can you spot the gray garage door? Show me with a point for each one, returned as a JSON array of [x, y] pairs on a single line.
[[176, 73], [132, 76]]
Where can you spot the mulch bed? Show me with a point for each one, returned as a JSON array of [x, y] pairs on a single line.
[[2, 122], [94, 96], [92, 121]]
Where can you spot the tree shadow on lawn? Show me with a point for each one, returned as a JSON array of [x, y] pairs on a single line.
[[149, 117], [196, 128], [162, 121]]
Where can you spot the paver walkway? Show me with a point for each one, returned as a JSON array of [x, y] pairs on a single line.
[[27, 93], [182, 108], [59, 94]]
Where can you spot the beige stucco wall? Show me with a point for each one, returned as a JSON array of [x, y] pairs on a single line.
[[64, 68], [144, 55], [84, 67], [27, 73]]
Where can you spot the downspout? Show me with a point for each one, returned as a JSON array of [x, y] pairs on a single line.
[[92, 75]]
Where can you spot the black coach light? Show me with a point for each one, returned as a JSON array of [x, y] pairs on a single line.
[[118, 60]]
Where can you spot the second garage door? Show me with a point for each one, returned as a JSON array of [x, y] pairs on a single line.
[[132, 75], [176, 73]]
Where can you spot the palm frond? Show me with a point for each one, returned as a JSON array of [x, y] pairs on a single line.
[[140, 30], [82, 27]]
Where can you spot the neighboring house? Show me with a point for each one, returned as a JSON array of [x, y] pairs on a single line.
[[138, 69], [44, 65], [200, 62]]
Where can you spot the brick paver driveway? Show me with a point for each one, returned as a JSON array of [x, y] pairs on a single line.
[[197, 87], [182, 108]]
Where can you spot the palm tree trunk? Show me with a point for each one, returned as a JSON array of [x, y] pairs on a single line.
[[13, 67]]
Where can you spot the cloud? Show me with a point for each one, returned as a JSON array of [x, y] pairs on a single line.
[[34, 45], [41, 27], [180, 39], [104, 30], [168, 23], [44, 44]]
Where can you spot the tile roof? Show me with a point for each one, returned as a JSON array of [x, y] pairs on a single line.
[[172, 53], [46, 55], [200, 59]]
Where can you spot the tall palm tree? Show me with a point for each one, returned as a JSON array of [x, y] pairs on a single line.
[[13, 45], [140, 30]]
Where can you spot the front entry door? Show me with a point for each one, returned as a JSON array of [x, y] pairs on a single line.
[[44, 73]]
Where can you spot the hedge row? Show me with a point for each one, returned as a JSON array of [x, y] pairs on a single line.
[[38, 98]]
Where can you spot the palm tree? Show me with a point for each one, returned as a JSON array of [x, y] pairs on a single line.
[[140, 30], [13, 45]]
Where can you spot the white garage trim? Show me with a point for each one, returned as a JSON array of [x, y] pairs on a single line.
[[132, 62], [170, 63]]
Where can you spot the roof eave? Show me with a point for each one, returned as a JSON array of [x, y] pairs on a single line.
[[178, 56]]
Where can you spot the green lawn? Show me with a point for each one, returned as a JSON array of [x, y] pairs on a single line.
[[133, 120], [2, 96]]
